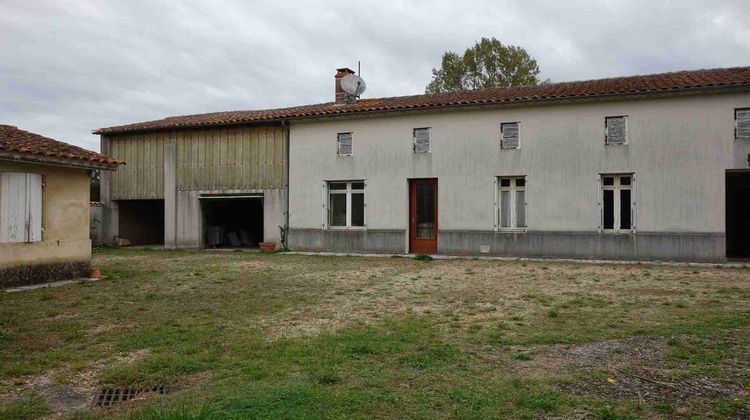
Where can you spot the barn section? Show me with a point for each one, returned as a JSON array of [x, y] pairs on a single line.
[[225, 179]]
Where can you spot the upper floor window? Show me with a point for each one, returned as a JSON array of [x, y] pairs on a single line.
[[511, 202], [742, 123], [617, 202], [422, 140], [345, 144], [616, 130], [346, 204], [20, 207], [510, 135]]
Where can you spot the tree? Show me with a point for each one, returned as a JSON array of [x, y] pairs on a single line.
[[488, 63]]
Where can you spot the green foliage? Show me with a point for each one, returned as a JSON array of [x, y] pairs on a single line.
[[423, 257], [553, 313], [523, 356], [207, 411], [487, 64], [24, 409]]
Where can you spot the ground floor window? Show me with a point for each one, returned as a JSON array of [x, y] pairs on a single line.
[[511, 202], [617, 207], [346, 204]]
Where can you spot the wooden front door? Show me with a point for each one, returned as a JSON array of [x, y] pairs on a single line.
[[423, 216]]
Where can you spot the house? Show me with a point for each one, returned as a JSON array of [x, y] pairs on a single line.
[[642, 167], [44, 207]]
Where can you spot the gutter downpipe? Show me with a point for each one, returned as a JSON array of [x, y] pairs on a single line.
[[285, 228]]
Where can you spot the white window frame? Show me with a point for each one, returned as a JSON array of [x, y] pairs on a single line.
[[414, 140], [617, 205], [519, 135], [326, 192], [512, 189], [338, 144], [627, 130]]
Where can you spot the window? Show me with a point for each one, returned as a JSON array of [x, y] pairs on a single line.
[[616, 130], [617, 202], [742, 123], [422, 142], [510, 135], [511, 202], [20, 207], [346, 204], [344, 144]]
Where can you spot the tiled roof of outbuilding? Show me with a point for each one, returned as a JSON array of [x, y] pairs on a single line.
[[694, 80], [13, 139]]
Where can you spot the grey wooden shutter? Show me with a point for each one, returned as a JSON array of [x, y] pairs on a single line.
[[20, 207], [345, 144], [742, 123], [34, 207], [509, 135], [422, 140], [616, 130]]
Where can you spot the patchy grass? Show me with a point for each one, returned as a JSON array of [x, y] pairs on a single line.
[[278, 336]]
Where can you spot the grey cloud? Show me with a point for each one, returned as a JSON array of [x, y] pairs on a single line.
[[68, 67]]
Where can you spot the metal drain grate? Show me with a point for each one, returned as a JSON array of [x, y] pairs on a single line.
[[110, 396]]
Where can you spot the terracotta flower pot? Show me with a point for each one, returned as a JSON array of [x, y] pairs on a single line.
[[268, 246], [95, 273]]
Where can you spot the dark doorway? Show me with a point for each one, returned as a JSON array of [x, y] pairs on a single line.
[[738, 214], [423, 216], [142, 221], [232, 222]]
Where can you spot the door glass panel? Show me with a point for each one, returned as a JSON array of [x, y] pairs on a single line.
[[358, 209], [337, 210], [520, 208], [609, 209], [505, 209], [625, 209], [425, 201]]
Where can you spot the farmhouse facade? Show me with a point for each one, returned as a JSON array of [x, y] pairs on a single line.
[[44, 207], [643, 167]]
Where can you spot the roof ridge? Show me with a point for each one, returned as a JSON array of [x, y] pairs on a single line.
[[655, 82]]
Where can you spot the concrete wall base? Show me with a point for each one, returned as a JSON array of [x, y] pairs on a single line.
[[24, 275], [371, 240], [707, 247]]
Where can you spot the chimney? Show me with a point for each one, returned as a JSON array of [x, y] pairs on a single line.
[[340, 94]]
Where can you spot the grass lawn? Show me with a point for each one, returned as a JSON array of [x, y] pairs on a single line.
[[235, 334]]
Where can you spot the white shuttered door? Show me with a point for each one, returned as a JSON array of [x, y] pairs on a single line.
[[20, 207]]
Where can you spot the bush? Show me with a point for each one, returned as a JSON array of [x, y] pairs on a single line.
[[423, 257]]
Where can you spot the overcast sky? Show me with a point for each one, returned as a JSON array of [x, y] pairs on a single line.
[[67, 67]]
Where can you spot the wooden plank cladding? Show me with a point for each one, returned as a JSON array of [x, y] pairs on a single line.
[[230, 158], [219, 158], [142, 177]]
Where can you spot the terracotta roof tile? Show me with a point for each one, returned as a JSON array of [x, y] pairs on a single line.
[[13, 139], [648, 84]]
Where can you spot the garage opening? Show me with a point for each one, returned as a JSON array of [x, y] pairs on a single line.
[[738, 214], [142, 221], [232, 222]]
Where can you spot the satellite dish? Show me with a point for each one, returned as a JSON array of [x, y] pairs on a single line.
[[353, 85]]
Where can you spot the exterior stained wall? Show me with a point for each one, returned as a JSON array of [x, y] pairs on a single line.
[[143, 175], [180, 165], [679, 149], [65, 212]]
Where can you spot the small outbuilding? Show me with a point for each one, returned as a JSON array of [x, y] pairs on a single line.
[[44, 207]]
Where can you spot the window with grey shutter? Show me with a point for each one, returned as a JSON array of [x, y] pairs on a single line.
[[616, 130], [422, 140], [742, 123], [20, 207], [345, 144], [510, 135]]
